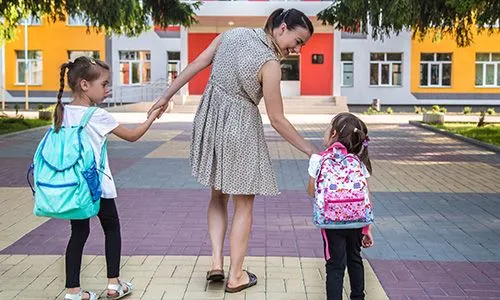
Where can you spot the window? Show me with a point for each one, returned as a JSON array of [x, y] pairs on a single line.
[[347, 69], [488, 69], [290, 68], [135, 67], [173, 65], [435, 69], [72, 55], [29, 70], [76, 20], [386, 69]]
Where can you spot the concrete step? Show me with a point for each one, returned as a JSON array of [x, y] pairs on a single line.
[[295, 105]]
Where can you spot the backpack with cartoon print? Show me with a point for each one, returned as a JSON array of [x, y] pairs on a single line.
[[341, 191]]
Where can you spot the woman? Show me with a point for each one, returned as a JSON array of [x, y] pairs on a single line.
[[228, 150]]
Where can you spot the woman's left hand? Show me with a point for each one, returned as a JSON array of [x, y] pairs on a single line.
[[161, 104]]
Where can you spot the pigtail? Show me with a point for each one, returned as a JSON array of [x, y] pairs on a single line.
[[59, 110]]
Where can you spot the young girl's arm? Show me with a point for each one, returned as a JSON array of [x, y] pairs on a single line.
[[367, 240], [310, 187], [311, 170], [134, 134]]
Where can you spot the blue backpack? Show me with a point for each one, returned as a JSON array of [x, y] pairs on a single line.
[[67, 181]]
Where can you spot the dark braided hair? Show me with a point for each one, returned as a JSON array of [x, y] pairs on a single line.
[[353, 134], [83, 68]]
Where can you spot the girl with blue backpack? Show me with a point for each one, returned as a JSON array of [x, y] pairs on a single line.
[[342, 206], [72, 178]]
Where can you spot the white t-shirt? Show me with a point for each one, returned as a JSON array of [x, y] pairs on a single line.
[[100, 124], [315, 160]]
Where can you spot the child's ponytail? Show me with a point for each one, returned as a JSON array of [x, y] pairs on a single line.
[[363, 153], [59, 110]]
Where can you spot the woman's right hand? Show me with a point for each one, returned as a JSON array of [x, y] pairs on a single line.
[[161, 104]]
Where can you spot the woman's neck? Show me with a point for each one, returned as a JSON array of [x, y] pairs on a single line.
[[277, 49]]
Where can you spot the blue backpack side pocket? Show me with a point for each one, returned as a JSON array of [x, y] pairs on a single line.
[[92, 178]]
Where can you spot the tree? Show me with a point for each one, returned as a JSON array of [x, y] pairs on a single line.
[[456, 18], [130, 17]]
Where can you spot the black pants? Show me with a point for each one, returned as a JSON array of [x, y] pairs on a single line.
[[343, 248], [80, 230]]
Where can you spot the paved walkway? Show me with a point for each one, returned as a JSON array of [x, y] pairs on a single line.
[[437, 230]]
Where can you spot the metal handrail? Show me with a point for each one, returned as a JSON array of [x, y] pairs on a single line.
[[139, 93]]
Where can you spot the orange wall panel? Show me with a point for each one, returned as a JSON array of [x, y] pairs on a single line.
[[197, 42], [317, 79], [54, 40]]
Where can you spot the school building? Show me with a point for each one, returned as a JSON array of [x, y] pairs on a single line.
[[398, 70]]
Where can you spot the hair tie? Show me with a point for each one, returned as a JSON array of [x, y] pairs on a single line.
[[342, 129], [286, 11], [365, 142]]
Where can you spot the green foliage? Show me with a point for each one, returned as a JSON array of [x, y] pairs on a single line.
[[491, 111], [8, 125], [389, 110], [127, 17], [441, 17], [50, 108], [488, 133], [371, 111], [467, 110]]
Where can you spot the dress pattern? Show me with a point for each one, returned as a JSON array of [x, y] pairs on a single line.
[[228, 148]]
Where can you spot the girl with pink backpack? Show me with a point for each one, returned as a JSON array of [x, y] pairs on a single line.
[[342, 207]]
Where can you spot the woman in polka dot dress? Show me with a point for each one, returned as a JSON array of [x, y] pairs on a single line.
[[228, 150]]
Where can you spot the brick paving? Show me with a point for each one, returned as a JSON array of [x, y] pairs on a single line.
[[437, 202]]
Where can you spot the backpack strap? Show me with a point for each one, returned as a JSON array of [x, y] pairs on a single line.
[[104, 153], [86, 117]]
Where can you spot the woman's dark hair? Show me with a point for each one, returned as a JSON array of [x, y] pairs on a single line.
[[292, 17], [353, 134], [82, 68]]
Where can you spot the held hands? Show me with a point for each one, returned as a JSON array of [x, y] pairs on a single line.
[[155, 114], [161, 106]]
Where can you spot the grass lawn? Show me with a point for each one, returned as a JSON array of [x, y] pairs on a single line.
[[489, 134], [8, 125]]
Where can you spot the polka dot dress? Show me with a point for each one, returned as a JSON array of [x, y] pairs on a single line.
[[228, 149]]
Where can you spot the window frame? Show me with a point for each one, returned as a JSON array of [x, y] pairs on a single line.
[[136, 60], [30, 62], [385, 61], [439, 64], [484, 64]]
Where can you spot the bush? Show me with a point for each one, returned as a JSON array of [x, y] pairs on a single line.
[[418, 110], [467, 110], [443, 110], [40, 106], [371, 111], [491, 111], [50, 108], [435, 108], [389, 110]]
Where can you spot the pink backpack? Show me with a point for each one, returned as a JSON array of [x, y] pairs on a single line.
[[341, 192]]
